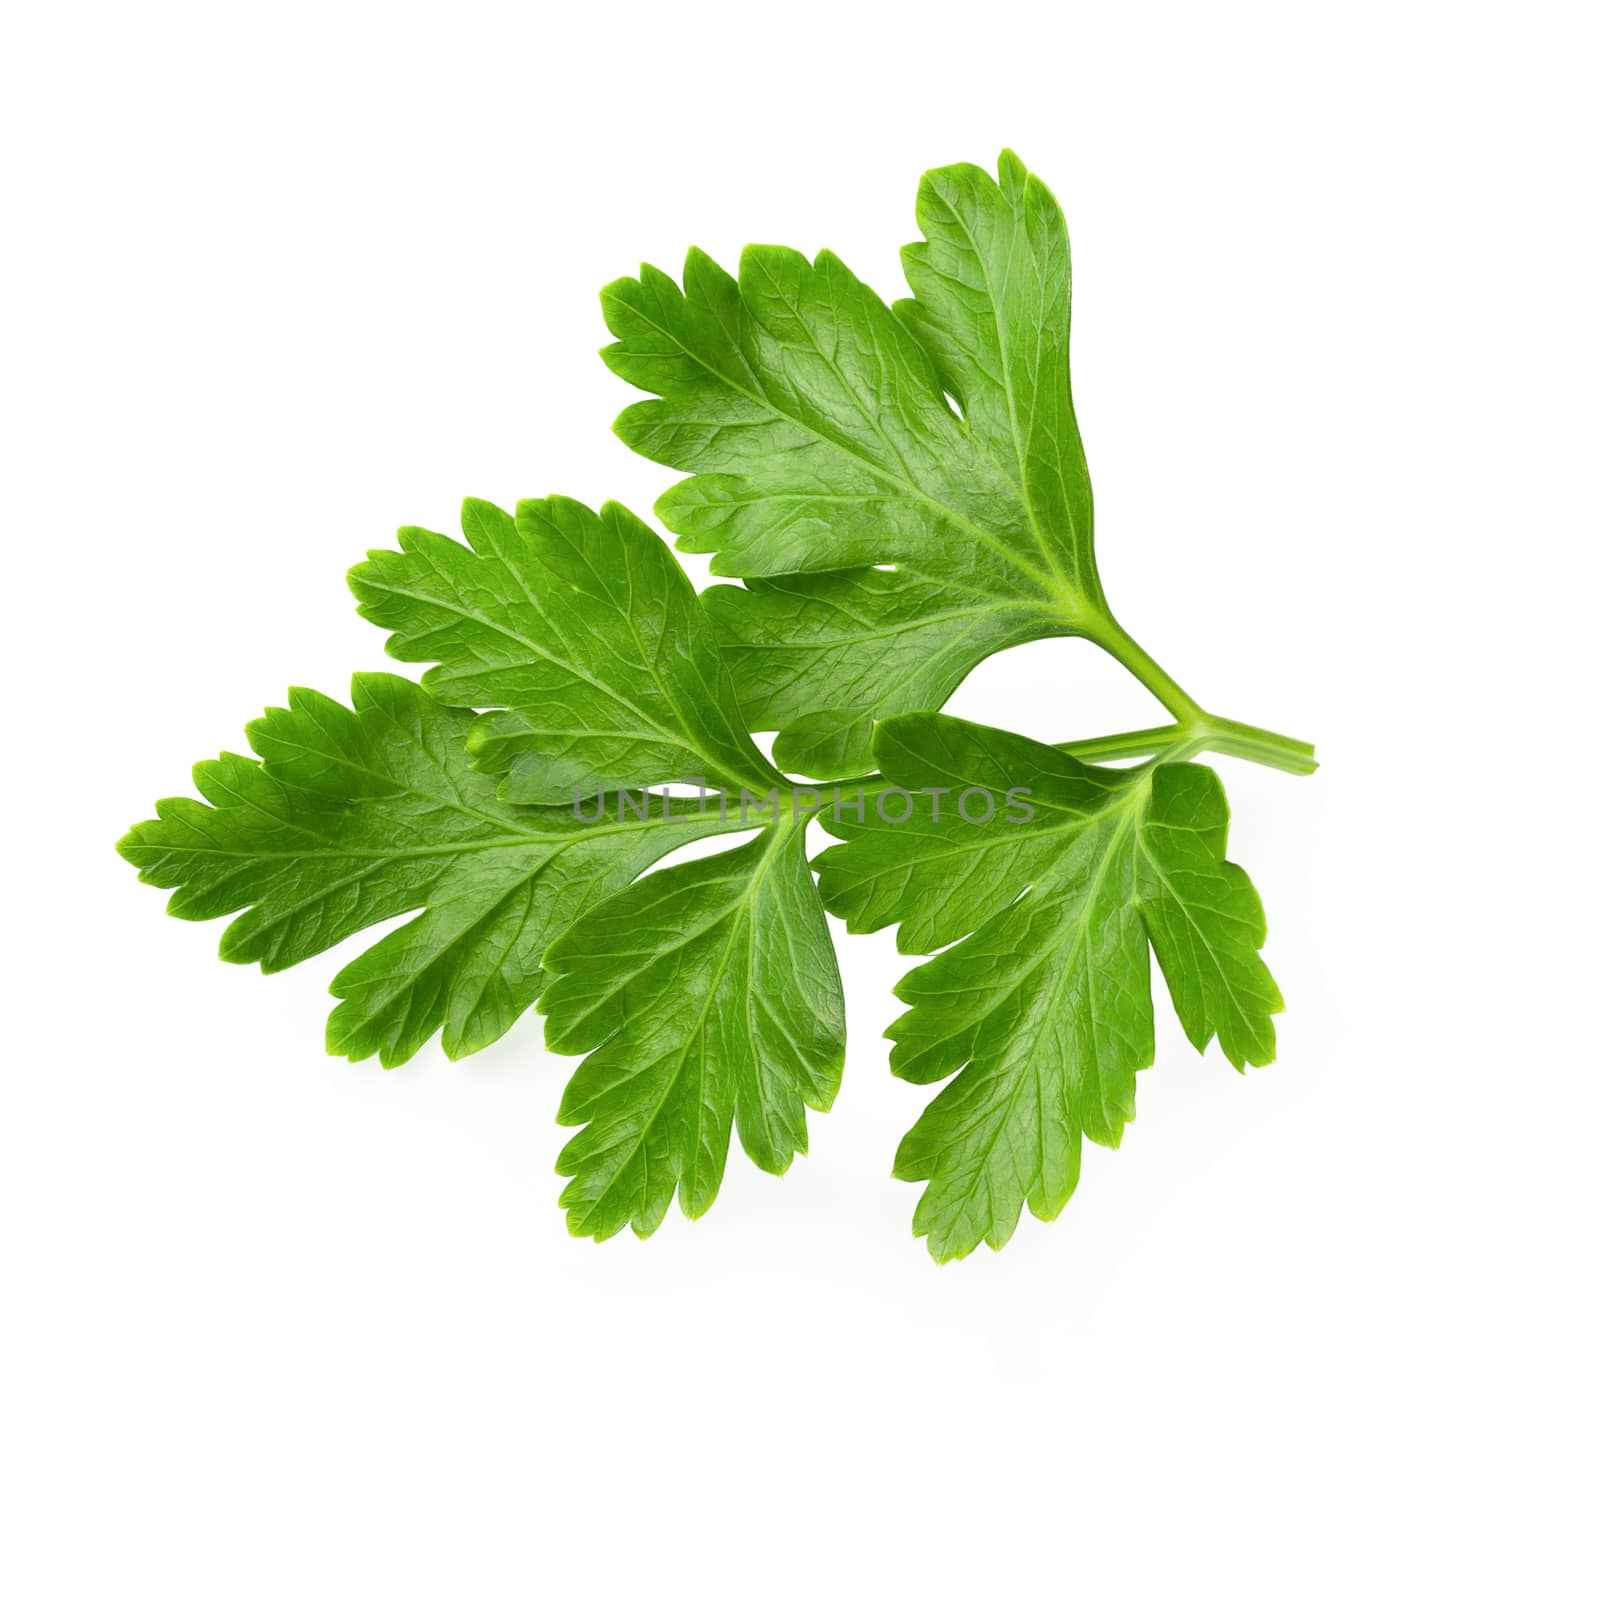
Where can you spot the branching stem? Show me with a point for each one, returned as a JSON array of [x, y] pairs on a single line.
[[1195, 728]]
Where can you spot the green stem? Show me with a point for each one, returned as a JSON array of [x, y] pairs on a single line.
[[1138, 742], [1249, 743], [1117, 642], [1195, 728]]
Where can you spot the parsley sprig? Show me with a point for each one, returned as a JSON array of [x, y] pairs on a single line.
[[900, 491]]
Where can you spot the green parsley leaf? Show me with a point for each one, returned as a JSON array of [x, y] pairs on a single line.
[[585, 629], [904, 490], [1043, 1009], [709, 995], [350, 817], [817, 424]]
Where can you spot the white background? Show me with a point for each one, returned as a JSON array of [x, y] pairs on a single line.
[[283, 278]]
